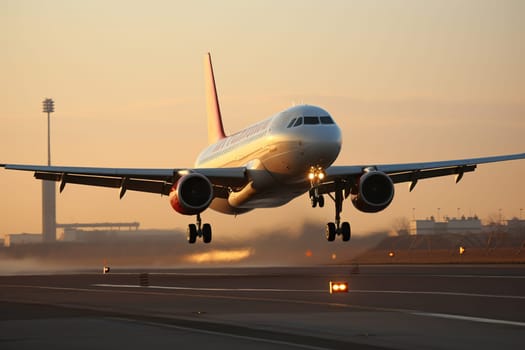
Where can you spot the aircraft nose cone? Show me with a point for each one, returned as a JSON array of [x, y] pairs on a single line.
[[322, 146]]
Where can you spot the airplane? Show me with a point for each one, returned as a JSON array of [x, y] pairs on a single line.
[[265, 165]]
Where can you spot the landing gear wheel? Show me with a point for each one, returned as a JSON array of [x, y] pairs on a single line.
[[320, 200], [337, 228], [314, 202], [345, 231], [206, 233], [192, 233], [330, 232]]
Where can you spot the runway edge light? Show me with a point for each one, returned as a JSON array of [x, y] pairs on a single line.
[[338, 287]]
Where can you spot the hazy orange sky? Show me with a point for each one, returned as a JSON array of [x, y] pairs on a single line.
[[405, 80]]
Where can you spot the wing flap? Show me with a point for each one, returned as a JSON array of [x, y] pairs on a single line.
[[426, 174], [142, 185], [148, 186], [80, 179], [396, 168], [152, 174]]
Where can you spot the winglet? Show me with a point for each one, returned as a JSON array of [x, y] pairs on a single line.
[[215, 128]]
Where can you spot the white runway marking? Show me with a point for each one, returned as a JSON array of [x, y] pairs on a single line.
[[457, 294], [469, 318], [205, 289], [479, 276], [279, 290]]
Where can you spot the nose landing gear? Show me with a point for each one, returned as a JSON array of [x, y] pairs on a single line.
[[316, 175], [316, 199], [199, 230]]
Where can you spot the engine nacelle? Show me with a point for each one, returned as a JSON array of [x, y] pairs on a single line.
[[374, 193], [192, 194]]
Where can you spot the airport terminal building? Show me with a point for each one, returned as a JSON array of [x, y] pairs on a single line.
[[448, 225], [464, 225]]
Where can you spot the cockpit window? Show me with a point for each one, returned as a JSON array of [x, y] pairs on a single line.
[[298, 122], [326, 120], [311, 120], [291, 123]]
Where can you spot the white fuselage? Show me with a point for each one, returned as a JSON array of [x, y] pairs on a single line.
[[278, 153]]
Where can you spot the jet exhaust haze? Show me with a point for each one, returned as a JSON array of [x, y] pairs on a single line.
[[163, 250]]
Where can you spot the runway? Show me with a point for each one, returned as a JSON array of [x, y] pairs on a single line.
[[387, 307]]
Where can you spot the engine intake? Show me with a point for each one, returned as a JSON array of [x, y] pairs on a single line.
[[374, 193], [192, 194]]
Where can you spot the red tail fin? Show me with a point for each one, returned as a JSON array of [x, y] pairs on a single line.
[[213, 110]]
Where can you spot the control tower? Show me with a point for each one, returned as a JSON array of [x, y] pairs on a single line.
[[49, 229]]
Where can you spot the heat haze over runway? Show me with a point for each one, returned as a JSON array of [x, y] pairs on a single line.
[[388, 307]]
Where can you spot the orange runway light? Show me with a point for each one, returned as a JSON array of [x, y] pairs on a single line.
[[338, 287]]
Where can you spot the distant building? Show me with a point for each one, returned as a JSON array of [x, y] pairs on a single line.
[[516, 225], [96, 232], [22, 238], [422, 227], [77, 235], [464, 225], [449, 225], [73, 233]]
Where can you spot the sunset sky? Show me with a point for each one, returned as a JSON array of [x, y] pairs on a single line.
[[405, 80]]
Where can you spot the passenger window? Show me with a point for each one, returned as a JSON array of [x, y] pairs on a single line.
[[298, 122], [311, 120], [326, 120], [291, 123]]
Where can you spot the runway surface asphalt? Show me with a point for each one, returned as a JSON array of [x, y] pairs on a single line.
[[387, 307]]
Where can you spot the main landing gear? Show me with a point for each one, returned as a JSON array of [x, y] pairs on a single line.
[[333, 229], [199, 230], [336, 228]]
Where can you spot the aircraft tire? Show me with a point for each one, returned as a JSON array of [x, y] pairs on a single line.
[[330, 232], [206, 233], [192, 233], [320, 200], [346, 231]]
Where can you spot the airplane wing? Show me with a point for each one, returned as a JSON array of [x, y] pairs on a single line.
[[411, 172], [135, 179], [225, 179]]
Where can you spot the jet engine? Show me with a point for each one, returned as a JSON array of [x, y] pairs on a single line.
[[374, 193], [192, 194]]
